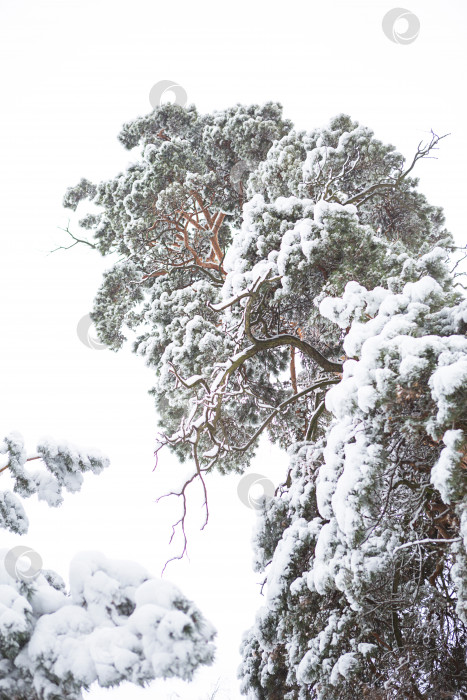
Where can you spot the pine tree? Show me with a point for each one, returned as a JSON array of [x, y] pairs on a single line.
[[313, 300]]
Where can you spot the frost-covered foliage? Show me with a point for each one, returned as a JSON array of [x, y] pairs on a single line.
[[64, 469], [367, 574], [190, 246], [170, 217], [116, 623], [313, 302]]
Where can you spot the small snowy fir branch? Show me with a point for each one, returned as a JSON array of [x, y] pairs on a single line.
[[64, 468]]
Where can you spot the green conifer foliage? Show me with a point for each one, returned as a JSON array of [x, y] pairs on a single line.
[[312, 299]]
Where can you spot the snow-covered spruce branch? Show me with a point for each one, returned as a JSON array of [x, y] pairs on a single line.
[[64, 468], [115, 624]]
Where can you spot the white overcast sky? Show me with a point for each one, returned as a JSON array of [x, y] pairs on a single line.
[[72, 73]]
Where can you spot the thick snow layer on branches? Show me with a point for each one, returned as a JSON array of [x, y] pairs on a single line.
[[64, 466], [394, 354], [117, 623], [305, 229], [405, 381]]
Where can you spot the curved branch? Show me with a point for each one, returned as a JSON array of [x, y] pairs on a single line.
[[181, 521], [284, 338], [422, 152], [76, 240], [292, 399], [314, 419]]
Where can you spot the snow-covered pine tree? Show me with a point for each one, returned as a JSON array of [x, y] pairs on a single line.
[[315, 302], [116, 623]]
